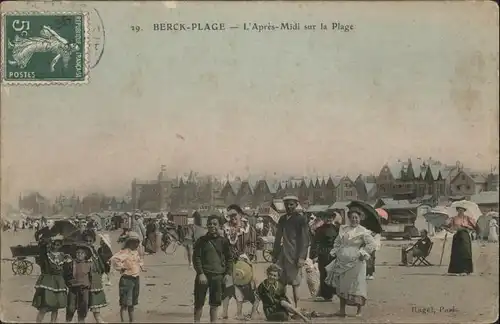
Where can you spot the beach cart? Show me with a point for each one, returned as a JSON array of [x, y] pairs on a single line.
[[20, 254]]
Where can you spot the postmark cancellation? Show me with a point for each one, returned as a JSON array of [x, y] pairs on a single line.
[[45, 48]]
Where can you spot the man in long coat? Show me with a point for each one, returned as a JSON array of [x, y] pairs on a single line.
[[290, 255]]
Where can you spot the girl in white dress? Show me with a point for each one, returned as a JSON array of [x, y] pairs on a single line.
[[493, 234]]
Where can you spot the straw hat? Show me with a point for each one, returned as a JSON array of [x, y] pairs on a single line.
[[132, 236], [290, 197], [58, 237], [242, 273]]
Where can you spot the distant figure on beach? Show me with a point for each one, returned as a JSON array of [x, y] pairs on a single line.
[[493, 234]]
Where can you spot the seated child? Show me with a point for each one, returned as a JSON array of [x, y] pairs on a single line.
[[77, 277], [275, 303]]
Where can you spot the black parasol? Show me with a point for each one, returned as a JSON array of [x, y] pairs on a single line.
[[63, 227], [371, 218]]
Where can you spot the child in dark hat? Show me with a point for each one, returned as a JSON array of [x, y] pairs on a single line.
[[77, 276]]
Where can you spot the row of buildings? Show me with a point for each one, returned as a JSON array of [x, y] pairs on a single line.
[[427, 180], [417, 179]]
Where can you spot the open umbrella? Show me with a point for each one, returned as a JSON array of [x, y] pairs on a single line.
[[382, 213], [371, 218], [472, 209], [437, 217], [63, 227]]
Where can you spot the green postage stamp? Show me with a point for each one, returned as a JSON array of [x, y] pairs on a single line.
[[44, 48]]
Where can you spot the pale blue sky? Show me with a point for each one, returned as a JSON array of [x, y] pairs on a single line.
[[414, 79]]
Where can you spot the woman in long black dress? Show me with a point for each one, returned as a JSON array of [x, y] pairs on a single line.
[[461, 246]]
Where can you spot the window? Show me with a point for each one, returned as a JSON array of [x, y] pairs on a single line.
[[463, 177], [468, 187]]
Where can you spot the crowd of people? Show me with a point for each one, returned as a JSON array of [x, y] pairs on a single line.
[[74, 270], [341, 252]]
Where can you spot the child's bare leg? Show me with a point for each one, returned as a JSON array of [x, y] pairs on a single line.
[[197, 314], [69, 315], [213, 314], [295, 291], [97, 316], [189, 254], [293, 310], [225, 307], [41, 315], [53, 316], [131, 314], [123, 309], [239, 309], [255, 308]]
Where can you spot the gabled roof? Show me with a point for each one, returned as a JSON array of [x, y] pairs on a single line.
[[395, 169], [336, 180], [435, 170], [235, 186], [478, 177], [348, 178], [272, 185], [249, 186]]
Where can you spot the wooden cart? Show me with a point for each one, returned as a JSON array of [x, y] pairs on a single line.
[[20, 263]]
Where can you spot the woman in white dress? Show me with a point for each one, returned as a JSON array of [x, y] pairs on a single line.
[[493, 234], [347, 272]]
